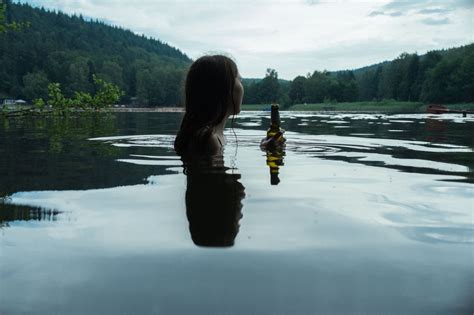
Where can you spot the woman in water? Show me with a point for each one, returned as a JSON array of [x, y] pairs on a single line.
[[213, 92]]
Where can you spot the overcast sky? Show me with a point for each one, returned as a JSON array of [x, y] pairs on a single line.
[[292, 36]]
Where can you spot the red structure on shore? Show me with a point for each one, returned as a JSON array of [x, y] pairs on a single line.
[[441, 109]]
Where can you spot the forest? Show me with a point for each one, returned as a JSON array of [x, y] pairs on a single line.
[[444, 76], [52, 47], [57, 48]]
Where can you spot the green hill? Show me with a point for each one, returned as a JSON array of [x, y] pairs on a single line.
[[441, 76], [56, 47], [438, 76]]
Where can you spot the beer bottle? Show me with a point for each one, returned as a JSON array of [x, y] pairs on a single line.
[[275, 130]]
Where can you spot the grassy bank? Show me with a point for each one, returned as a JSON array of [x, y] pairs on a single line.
[[383, 106], [465, 106], [255, 106]]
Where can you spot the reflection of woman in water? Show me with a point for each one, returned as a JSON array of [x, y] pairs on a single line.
[[213, 92], [213, 203]]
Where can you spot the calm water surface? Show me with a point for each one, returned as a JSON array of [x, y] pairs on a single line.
[[372, 214]]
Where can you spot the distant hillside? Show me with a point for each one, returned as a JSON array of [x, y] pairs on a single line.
[[450, 53], [68, 49], [445, 75], [255, 80], [442, 76]]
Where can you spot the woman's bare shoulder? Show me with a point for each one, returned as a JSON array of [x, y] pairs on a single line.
[[204, 144], [213, 144]]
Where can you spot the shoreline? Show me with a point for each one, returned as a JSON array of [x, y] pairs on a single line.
[[469, 107], [148, 109]]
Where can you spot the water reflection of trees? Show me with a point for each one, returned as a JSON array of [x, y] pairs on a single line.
[[10, 213], [50, 152], [213, 201], [39, 152]]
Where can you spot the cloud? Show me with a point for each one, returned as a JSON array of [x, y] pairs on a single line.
[[292, 36], [417, 4], [413, 9], [376, 13], [392, 14], [408, 5], [397, 8], [434, 11], [395, 14], [431, 21]]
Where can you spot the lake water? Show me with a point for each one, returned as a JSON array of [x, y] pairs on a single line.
[[372, 214]]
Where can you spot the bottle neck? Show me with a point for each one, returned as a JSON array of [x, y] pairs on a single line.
[[275, 117]]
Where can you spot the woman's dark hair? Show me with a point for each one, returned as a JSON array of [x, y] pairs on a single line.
[[208, 92]]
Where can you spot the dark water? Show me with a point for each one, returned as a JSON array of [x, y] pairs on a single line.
[[372, 214]]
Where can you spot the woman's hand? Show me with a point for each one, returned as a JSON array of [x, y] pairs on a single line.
[[275, 143]]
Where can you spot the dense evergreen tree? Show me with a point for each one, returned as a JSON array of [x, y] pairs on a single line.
[[347, 87], [270, 87], [318, 87], [463, 79], [368, 84], [297, 94], [35, 85], [411, 84], [268, 90], [5, 19]]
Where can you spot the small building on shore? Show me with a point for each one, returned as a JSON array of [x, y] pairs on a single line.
[[12, 101], [10, 104], [7, 101]]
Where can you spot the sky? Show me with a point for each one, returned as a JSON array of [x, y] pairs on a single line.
[[295, 37]]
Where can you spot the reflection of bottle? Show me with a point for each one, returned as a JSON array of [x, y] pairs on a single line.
[[275, 124], [274, 161]]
